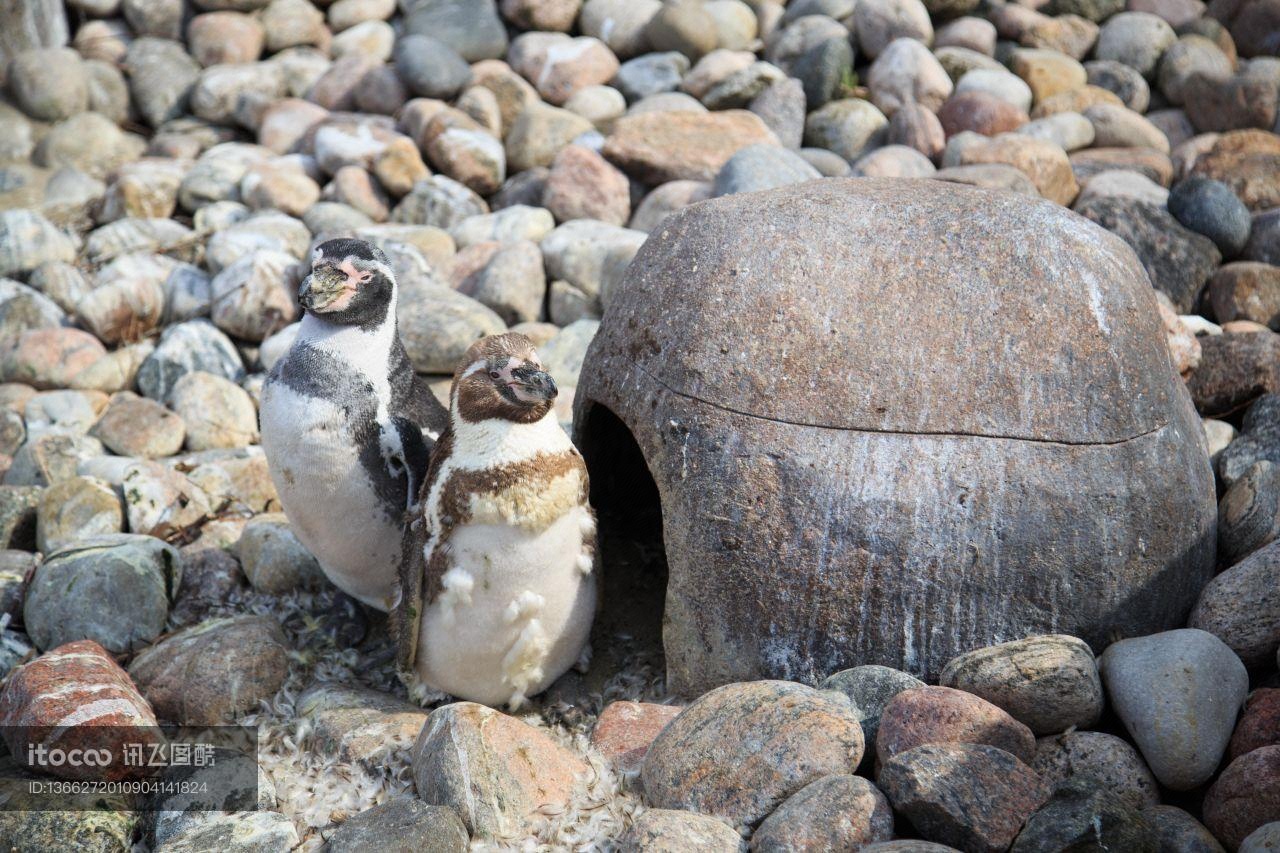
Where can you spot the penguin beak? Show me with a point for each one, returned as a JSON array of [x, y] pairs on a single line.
[[321, 288], [533, 385]]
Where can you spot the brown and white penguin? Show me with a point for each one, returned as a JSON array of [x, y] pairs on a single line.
[[343, 418], [497, 590]]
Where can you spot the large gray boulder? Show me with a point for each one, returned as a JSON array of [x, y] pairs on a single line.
[[893, 421]]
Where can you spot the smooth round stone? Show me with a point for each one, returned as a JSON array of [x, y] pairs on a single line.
[[979, 112], [894, 161], [1111, 763], [682, 26], [1241, 607], [1124, 184], [830, 164], [1264, 839], [878, 22], [49, 84], [906, 72], [217, 412], [976, 34], [1209, 207], [1177, 831], [833, 813], [1070, 131], [1119, 127], [742, 749], [1001, 84], [114, 590], [1124, 81], [438, 328], [761, 167], [1048, 72], [1177, 693], [650, 74], [75, 509], [918, 128], [1138, 39], [193, 345], [1245, 797], [1190, 56], [870, 688], [849, 127], [1081, 816], [430, 68], [1050, 682], [136, 426], [670, 830], [786, 46], [273, 559], [619, 23], [824, 69]]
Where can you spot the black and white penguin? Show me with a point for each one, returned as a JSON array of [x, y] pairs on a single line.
[[343, 418], [497, 591]]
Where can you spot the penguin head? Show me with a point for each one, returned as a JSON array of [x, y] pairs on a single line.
[[351, 283], [502, 377]]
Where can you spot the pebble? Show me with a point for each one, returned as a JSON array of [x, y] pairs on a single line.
[[1210, 208], [624, 731], [977, 34], [1048, 73], [1189, 56], [1118, 127], [47, 460], [511, 283], [761, 167], [161, 76], [49, 84], [273, 559], [1262, 839], [674, 831], [74, 509], [588, 254], [256, 295], [621, 24], [439, 326], [1177, 693], [77, 682], [839, 812], [650, 74], [661, 147], [1137, 39], [1245, 797], [430, 67], [970, 796], [1133, 186], [509, 225], [540, 132], [877, 23], [906, 72], [923, 715], [600, 105], [894, 161], [1076, 100], [208, 674], [782, 108], [666, 199], [583, 185], [1257, 726], [1070, 131], [918, 128], [1233, 103], [210, 576], [1001, 84], [494, 770], [740, 750], [28, 240], [1234, 370], [114, 590], [824, 70], [217, 412], [1178, 831], [682, 26], [1050, 683], [1106, 760], [849, 127], [401, 821], [137, 426], [1179, 261], [1241, 606], [1121, 80], [1259, 439], [1044, 163], [183, 348], [979, 112], [217, 38], [1079, 815]]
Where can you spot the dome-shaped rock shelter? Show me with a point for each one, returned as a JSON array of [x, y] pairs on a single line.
[[893, 421]]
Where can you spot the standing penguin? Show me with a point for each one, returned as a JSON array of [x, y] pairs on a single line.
[[497, 593], [342, 418]]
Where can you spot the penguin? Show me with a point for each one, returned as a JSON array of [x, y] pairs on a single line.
[[497, 594], [343, 418]]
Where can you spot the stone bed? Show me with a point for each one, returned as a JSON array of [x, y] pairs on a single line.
[[166, 165]]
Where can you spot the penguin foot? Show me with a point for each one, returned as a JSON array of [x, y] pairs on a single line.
[[345, 621]]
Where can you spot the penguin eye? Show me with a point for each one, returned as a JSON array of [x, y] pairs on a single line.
[[365, 276], [493, 374]]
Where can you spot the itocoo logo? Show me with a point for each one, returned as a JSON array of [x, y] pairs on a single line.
[[39, 755]]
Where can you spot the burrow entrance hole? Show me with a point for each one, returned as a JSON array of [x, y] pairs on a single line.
[[631, 557]]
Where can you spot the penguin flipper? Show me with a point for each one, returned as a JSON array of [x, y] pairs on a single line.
[[405, 451]]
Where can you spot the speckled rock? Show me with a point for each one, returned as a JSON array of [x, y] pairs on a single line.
[[1245, 797], [136, 426], [207, 674], [1105, 760], [1078, 815], [114, 590], [438, 327], [1259, 725], [1044, 163], [1178, 694], [273, 559], [740, 750], [493, 769], [185, 347], [217, 412], [1210, 208], [850, 127], [674, 831], [583, 185], [624, 731], [28, 240], [942, 715], [1178, 832], [1049, 683], [660, 147], [405, 821], [971, 796], [870, 688], [74, 509], [834, 813], [1241, 607]]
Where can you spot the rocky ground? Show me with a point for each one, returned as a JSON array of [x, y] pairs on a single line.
[[165, 166]]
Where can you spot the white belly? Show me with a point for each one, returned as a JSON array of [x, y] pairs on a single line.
[[526, 619], [327, 496]]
